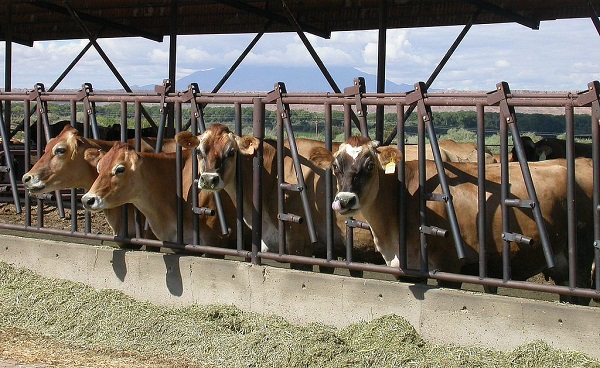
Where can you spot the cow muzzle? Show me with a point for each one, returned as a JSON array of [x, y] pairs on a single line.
[[33, 183], [346, 203], [210, 181], [92, 202]]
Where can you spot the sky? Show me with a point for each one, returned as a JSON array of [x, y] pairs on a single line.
[[563, 55]]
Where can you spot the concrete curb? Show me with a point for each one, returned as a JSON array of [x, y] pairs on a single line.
[[439, 315]]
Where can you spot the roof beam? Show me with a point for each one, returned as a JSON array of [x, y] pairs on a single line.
[[527, 22], [98, 20], [20, 41], [274, 17]]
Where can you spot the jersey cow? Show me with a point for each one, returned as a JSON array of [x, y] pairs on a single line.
[[148, 181], [364, 187], [550, 148], [67, 163], [217, 148]]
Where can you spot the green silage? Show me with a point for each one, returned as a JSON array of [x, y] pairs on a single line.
[[225, 336]]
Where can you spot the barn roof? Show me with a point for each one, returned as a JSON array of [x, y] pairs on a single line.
[[26, 21]]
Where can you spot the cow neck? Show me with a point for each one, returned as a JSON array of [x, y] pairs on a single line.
[[158, 201], [84, 144], [269, 182]]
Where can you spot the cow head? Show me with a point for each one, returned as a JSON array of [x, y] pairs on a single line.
[[217, 148], [112, 187], [357, 166], [63, 164]]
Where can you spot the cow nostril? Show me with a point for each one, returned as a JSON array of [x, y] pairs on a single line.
[[351, 202], [26, 178], [214, 180], [90, 201]]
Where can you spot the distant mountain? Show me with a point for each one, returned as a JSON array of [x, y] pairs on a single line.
[[263, 78]]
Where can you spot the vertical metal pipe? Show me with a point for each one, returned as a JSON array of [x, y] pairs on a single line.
[[481, 197], [402, 189], [329, 215], [73, 105], [239, 183], [571, 205], [504, 192], [9, 163], [8, 61], [347, 117], [595, 121], [280, 180], [179, 176], [27, 160], [422, 191], [173, 32], [381, 56], [258, 128], [123, 137]]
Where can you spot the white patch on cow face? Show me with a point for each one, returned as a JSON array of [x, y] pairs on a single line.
[[353, 151]]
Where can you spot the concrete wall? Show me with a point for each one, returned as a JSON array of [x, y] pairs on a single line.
[[439, 315]]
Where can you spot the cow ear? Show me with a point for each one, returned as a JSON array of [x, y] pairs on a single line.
[[247, 144], [389, 157], [321, 157], [93, 155], [187, 140], [543, 152]]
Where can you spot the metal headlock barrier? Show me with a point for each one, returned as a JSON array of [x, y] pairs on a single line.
[[194, 102]]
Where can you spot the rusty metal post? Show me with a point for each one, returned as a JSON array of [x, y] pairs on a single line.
[[239, 185], [481, 197], [571, 205], [258, 129], [329, 182], [400, 123]]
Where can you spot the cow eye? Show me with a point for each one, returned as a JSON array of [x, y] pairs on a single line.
[[60, 151], [119, 170], [335, 168], [230, 153], [370, 166]]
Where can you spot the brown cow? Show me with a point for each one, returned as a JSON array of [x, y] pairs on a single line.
[[217, 149], [64, 165], [148, 181], [450, 151], [364, 187]]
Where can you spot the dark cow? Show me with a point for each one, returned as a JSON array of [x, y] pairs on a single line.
[[550, 148]]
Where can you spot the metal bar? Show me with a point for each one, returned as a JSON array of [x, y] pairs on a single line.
[[280, 180], [381, 56], [571, 205], [481, 194], [163, 91], [258, 129], [403, 251], [27, 158], [329, 215], [239, 186], [178, 164], [424, 254], [9, 163]]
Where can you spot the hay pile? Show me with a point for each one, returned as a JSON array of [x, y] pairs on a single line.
[[134, 333]]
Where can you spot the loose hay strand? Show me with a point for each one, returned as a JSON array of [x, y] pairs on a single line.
[[107, 321]]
